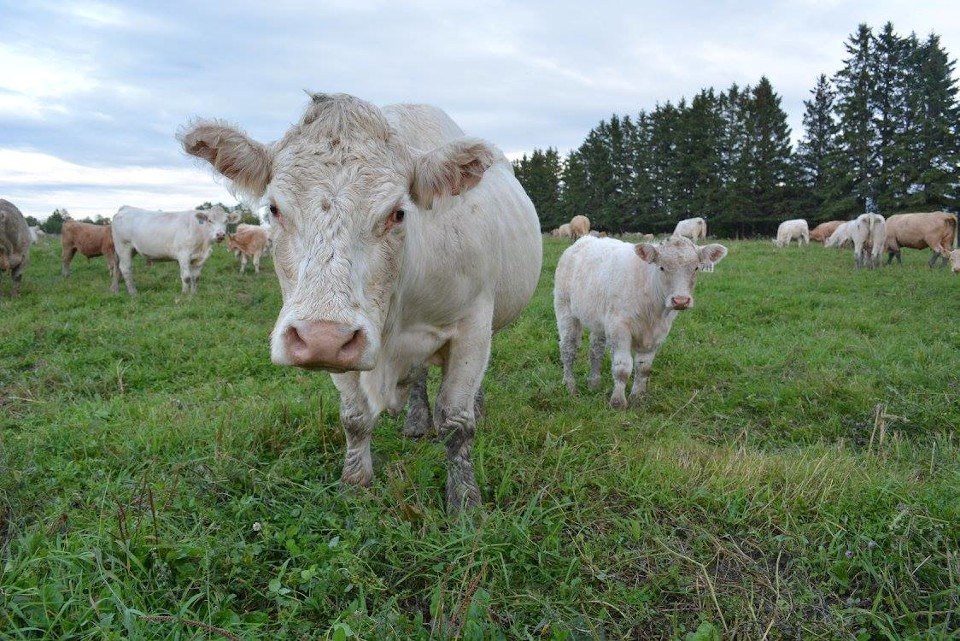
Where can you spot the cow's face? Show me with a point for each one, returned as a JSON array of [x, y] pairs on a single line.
[[344, 195], [214, 222], [678, 261], [955, 261]]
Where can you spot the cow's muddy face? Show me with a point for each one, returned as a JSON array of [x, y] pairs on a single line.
[[679, 260], [344, 194]]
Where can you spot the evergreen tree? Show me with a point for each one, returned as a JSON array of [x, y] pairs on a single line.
[[888, 102], [858, 161], [817, 152], [540, 177], [54, 222], [774, 180], [575, 188]]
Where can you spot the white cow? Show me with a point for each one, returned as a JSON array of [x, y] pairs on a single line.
[[790, 229], [955, 261], [184, 236], [693, 228], [627, 296], [869, 235], [840, 236], [398, 242]]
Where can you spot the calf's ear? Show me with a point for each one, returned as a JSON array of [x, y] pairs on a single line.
[[202, 217], [233, 217], [711, 254], [451, 169], [647, 252], [235, 156]]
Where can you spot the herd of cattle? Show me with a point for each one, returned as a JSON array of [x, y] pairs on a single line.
[[399, 244]]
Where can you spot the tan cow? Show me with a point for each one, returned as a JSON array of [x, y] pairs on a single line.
[[563, 231], [249, 241], [579, 226], [14, 243], [88, 239], [955, 261], [823, 231], [936, 230]]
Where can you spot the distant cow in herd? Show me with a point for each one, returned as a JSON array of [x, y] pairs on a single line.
[[399, 243], [14, 243], [795, 229], [823, 231], [868, 232], [91, 241], [693, 228], [627, 296], [578, 227], [249, 241], [955, 261], [184, 236], [936, 230]]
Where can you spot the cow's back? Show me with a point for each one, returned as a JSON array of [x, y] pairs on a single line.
[[14, 236], [597, 277], [488, 235], [156, 234]]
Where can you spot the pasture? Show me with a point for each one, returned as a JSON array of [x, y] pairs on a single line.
[[794, 471]]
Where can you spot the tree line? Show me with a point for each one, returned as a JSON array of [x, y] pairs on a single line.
[[882, 134]]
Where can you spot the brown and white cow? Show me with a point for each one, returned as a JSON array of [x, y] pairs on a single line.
[[627, 296], [398, 243], [579, 226], [936, 230], [249, 241], [184, 236], [823, 231], [91, 241], [14, 243]]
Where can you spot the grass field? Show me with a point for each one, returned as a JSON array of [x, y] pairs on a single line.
[[793, 473]]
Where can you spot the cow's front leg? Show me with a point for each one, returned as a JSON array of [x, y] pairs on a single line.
[[456, 420], [419, 421], [185, 275], [642, 364], [357, 420]]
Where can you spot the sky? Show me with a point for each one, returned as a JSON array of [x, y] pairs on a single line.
[[92, 93]]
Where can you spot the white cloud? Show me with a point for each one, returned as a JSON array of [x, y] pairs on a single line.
[[38, 183]]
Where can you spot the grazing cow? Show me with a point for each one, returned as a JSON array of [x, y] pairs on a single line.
[[869, 234], [35, 234], [693, 228], [627, 296], [563, 231], [840, 236], [955, 261], [249, 241], [579, 226], [790, 229], [399, 243], [184, 236], [14, 243], [91, 241], [936, 230], [822, 232]]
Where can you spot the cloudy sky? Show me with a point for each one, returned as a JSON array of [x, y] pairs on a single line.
[[92, 93]]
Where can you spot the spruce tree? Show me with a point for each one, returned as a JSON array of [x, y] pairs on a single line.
[[817, 151], [858, 163]]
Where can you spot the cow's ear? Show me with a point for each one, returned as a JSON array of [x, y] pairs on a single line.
[[451, 169], [233, 217], [202, 217], [647, 252], [711, 254], [231, 152]]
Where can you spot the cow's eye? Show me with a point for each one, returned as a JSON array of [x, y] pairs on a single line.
[[398, 216], [274, 211], [662, 269]]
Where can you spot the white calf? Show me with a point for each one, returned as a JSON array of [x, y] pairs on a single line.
[[628, 296], [790, 229]]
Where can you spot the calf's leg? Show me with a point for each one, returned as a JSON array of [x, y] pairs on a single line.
[[68, 254], [642, 364], [571, 332], [622, 365]]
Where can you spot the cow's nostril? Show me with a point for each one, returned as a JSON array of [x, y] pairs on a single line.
[[293, 339]]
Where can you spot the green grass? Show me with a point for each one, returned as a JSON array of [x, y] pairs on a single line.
[[794, 471]]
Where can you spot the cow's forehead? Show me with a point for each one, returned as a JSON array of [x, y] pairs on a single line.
[[678, 250]]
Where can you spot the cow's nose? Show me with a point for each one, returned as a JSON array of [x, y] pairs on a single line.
[[680, 302], [324, 345], [219, 237]]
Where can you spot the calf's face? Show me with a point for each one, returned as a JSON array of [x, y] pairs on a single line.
[[678, 261], [344, 194], [214, 222]]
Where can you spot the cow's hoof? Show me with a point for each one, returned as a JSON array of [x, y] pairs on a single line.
[[618, 402]]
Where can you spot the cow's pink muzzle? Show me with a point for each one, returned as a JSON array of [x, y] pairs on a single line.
[[324, 345]]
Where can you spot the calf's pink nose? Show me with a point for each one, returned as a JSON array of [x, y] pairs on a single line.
[[324, 345], [680, 302]]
